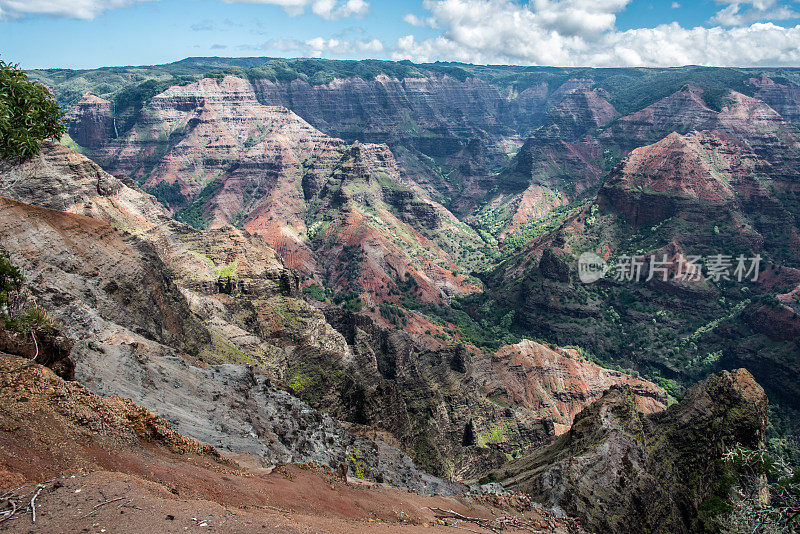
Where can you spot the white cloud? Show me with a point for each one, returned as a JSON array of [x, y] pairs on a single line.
[[319, 46], [584, 33], [78, 9], [675, 5], [743, 12], [414, 20], [327, 9]]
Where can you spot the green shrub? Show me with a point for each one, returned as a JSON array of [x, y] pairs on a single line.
[[36, 319], [315, 292], [28, 114], [10, 283]]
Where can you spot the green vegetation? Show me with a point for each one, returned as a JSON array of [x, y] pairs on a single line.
[[493, 329], [394, 314], [10, 284], [195, 213], [494, 433], [746, 511], [34, 319], [168, 194], [536, 227], [130, 100], [350, 301], [315, 292], [226, 271], [28, 115], [221, 350]]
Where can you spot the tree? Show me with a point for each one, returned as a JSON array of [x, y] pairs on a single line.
[[28, 114]]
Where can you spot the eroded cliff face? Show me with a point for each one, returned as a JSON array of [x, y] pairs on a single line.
[[140, 295], [423, 120], [558, 384], [621, 471], [556, 165], [135, 291], [91, 122], [339, 213], [712, 176], [583, 138], [682, 111], [453, 137], [449, 136], [781, 95]]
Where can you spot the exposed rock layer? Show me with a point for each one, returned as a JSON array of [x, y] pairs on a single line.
[[625, 472]]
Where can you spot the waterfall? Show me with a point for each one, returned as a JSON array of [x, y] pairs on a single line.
[[114, 119]]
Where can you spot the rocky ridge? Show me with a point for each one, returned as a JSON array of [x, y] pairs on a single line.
[[622, 471], [134, 329], [560, 382]]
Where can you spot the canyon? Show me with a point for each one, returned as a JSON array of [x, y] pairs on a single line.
[[369, 281]]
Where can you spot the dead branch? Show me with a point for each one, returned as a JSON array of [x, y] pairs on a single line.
[[495, 525], [14, 500], [9, 513], [98, 506], [33, 502], [463, 528], [451, 514]]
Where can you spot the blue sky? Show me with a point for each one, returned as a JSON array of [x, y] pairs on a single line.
[[93, 33]]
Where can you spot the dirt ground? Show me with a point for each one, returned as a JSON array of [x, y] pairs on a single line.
[[104, 465], [294, 501]]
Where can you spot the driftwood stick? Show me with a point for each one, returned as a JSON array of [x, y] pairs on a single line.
[[107, 502], [451, 514], [10, 513], [463, 528], [456, 515], [98, 506], [33, 502]]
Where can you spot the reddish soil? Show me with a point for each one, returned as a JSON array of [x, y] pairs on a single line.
[[111, 466]]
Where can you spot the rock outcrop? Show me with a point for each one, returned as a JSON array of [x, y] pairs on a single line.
[[559, 384], [44, 345], [71, 407], [621, 471], [91, 122]]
